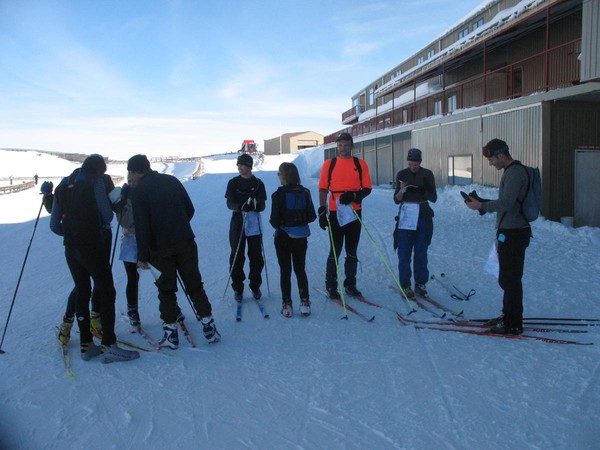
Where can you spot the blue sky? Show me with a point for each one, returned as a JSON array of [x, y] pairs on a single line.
[[195, 77]]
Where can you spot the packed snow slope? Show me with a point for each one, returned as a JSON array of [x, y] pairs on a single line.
[[305, 383]]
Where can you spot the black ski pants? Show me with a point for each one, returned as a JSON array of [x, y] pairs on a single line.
[[511, 257], [238, 242], [181, 258], [291, 252], [347, 236], [93, 262]]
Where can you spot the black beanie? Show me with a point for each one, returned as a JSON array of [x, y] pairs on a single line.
[[139, 164], [246, 160]]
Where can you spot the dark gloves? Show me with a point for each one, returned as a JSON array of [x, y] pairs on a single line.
[[322, 212], [347, 197], [47, 187], [474, 195], [250, 205]]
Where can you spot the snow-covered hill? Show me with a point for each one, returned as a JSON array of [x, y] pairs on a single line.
[[306, 383]]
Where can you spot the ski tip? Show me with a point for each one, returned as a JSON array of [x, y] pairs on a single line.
[[372, 319], [2, 352]]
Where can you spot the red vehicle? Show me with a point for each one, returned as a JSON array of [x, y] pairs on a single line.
[[248, 146]]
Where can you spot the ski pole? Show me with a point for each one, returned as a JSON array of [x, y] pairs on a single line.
[[394, 277], [262, 247], [112, 258], [20, 275], [337, 268], [188, 297], [237, 249]]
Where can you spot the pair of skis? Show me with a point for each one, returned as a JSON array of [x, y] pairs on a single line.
[[347, 306], [261, 308], [156, 346]]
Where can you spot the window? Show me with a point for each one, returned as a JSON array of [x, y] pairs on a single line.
[[460, 171], [437, 108], [452, 103], [430, 54], [463, 33], [476, 24], [420, 60], [371, 96]]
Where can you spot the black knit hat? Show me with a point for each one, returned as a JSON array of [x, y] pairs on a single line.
[[94, 164], [138, 164], [245, 160]]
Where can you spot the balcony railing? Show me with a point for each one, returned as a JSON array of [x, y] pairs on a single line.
[[551, 69], [352, 114]]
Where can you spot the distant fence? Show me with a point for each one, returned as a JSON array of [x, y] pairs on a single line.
[[17, 187]]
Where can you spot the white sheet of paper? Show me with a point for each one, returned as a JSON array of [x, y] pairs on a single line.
[[345, 214], [252, 225], [492, 265], [409, 216]]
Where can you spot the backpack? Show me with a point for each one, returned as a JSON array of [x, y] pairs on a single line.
[[80, 215], [295, 215], [332, 165], [531, 204]]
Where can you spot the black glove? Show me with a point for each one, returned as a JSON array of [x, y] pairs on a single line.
[[250, 205], [476, 197], [347, 197], [322, 211], [46, 187]]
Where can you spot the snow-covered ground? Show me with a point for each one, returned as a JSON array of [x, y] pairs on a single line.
[[310, 383]]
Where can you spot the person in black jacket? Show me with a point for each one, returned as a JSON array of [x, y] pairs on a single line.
[[291, 211], [81, 213], [246, 196], [162, 210], [64, 329], [415, 188]]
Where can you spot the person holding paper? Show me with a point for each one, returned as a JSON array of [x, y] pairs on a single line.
[[415, 188], [346, 181]]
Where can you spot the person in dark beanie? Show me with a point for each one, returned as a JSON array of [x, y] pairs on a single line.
[[513, 233], [81, 213], [415, 188], [343, 184], [246, 197], [162, 210]]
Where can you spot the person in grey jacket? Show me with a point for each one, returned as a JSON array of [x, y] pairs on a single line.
[[512, 235]]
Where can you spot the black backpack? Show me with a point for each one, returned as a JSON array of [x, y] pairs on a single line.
[[80, 215]]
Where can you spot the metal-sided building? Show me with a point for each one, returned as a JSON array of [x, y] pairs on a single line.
[[524, 71], [291, 142]]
